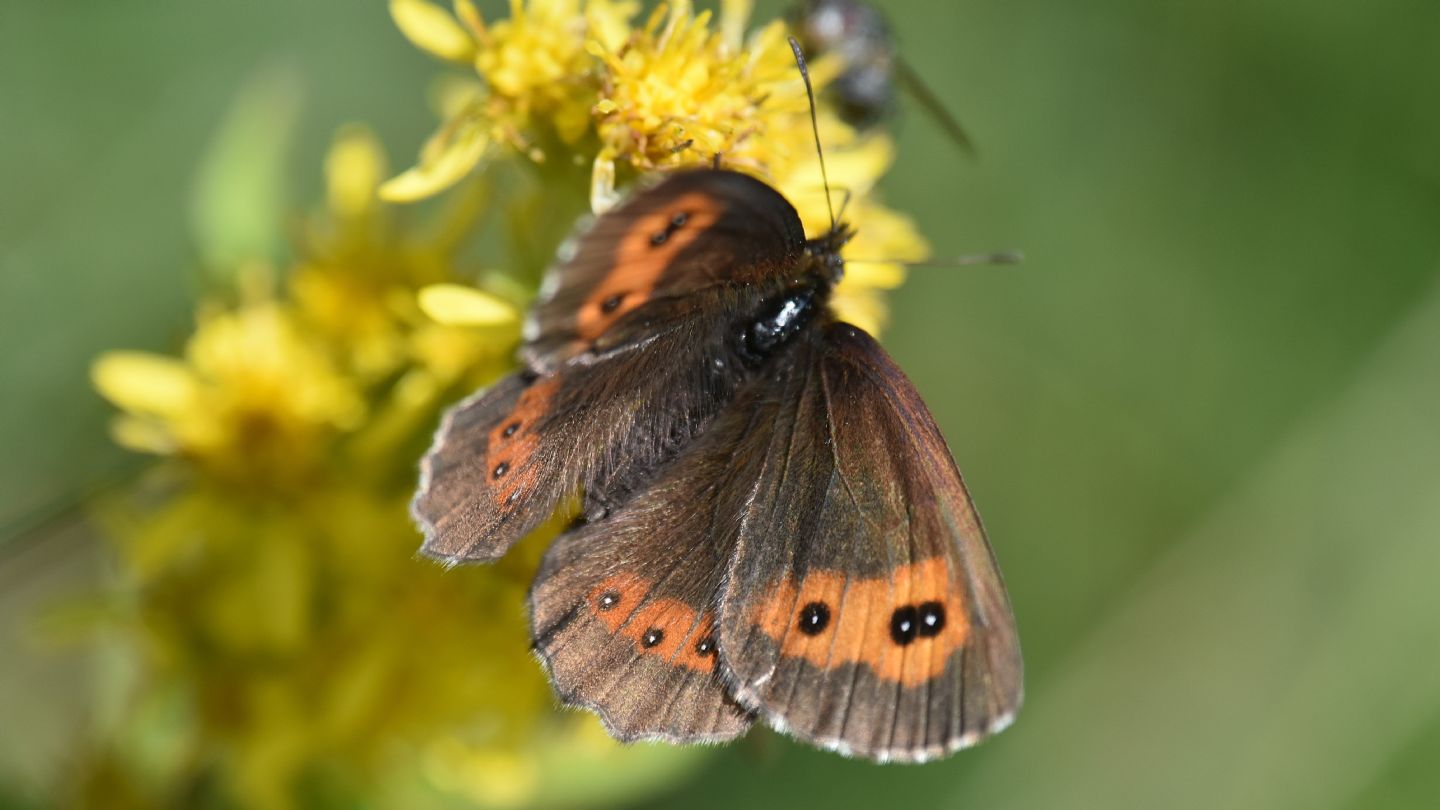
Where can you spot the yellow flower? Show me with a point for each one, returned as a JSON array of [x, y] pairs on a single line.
[[679, 93], [360, 265], [537, 79], [293, 631], [253, 395]]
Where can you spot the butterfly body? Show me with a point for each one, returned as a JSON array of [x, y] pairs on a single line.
[[773, 528]]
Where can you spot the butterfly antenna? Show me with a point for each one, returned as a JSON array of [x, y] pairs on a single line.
[[814, 125], [999, 257]]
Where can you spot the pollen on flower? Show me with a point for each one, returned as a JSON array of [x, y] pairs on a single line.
[[679, 93], [538, 81]]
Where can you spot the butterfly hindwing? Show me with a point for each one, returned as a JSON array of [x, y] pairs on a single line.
[[623, 610], [863, 609]]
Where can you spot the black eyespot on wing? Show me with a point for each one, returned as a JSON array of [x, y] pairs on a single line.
[[608, 600], [612, 303], [659, 238], [932, 619], [510, 429], [904, 624], [653, 636], [502, 468], [705, 647], [679, 220], [814, 618]]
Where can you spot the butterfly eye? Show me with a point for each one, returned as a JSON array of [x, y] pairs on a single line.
[[904, 624], [814, 618], [652, 637]]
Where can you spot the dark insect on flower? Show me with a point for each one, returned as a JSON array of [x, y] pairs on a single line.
[[864, 92]]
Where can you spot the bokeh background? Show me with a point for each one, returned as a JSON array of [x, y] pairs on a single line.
[[1200, 420]]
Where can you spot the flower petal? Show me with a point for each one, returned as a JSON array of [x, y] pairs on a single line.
[[354, 168], [432, 29], [458, 305], [145, 383], [439, 169], [603, 195], [142, 435], [874, 274]]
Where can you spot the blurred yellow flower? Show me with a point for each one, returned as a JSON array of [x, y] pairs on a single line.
[[292, 642], [455, 305], [360, 266], [252, 398]]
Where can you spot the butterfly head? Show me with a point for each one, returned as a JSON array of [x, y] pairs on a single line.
[[823, 253]]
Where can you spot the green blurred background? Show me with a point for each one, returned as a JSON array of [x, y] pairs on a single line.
[[1200, 420]]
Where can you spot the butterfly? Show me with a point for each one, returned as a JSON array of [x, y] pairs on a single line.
[[772, 528], [864, 92]]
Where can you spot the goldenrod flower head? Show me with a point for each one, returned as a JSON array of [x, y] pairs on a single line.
[[676, 91], [253, 395], [679, 93], [537, 80]]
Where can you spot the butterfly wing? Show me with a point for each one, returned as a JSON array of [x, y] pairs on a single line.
[[623, 610], [503, 461], [823, 496], [863, 608], [632, 352], [695, 230]]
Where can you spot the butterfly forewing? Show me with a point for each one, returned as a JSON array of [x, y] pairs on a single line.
[[503, 462], [695, 231], [612, 391], [863, 610]]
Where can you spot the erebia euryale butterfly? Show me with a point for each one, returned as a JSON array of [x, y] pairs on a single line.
[[773, 527]]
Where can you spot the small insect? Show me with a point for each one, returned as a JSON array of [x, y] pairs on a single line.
[[774, 529], [864, 92]]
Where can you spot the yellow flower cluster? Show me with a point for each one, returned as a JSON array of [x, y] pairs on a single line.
[[672, 92], [271, 588], [269, 384]]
